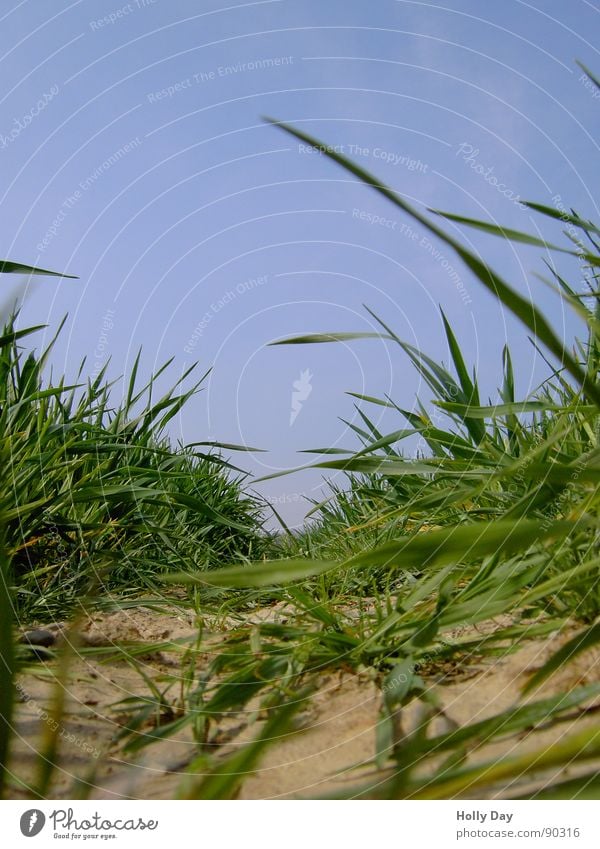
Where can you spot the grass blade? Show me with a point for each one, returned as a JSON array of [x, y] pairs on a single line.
[[524, 309]]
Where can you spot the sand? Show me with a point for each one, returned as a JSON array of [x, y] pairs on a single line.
[[333, 736]]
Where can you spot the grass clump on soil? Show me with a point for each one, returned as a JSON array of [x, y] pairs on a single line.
[[96, 496]]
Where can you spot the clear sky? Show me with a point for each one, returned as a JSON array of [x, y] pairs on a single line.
[[133, 155]]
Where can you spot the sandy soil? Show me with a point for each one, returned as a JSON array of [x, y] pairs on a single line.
[[334, 735]]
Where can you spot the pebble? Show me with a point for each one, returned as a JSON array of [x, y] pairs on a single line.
[[39, 637]]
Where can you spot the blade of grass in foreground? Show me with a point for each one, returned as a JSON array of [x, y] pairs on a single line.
[[7, 663], [513, 235], [456, 544], [263, 574], [589, 74], [224, 781], [524, 309], [576, 749], [551, 212], [7, 267], [586, 786], [581, 642], [435, 547], [319, 338]]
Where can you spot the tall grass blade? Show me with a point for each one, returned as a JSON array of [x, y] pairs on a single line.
[[523, 308]]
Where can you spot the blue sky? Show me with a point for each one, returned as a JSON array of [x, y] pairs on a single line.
[[133, 155]]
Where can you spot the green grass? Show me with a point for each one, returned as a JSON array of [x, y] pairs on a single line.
[[499, 517], [97, 497], [96, 502]]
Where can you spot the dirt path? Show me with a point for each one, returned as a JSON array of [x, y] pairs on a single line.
[[333, 735]]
